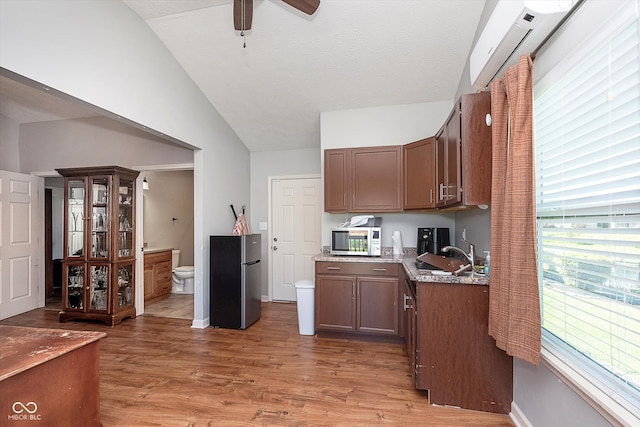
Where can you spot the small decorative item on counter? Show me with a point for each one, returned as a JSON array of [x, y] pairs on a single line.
[[487, 263]]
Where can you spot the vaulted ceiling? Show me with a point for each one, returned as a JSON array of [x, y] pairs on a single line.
[[349, 54]]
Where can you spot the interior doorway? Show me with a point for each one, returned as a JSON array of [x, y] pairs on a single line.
[[53, 226], [168, 224]]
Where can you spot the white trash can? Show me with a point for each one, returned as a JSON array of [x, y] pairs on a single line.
[[304, 293]]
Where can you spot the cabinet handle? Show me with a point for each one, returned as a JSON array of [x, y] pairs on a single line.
[[431, 195], [442, 191], [407, 298], [379, 269], [333, 268]]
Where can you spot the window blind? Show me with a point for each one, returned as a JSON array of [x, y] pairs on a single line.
[[587, 139]]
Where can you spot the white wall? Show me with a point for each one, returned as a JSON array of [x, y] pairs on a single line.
[[95, 141], [9, 154], [389, 125], [104, 54], [170, 196], [376, 126], [265, 164]]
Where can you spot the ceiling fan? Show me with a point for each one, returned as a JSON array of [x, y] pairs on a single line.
[[243, 11]]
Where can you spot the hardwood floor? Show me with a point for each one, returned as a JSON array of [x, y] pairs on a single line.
[[177, 306], [161, 372]]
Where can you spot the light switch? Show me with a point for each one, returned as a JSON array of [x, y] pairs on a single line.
[[263, 226]]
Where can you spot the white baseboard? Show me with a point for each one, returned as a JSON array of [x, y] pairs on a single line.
[[200, 324], [265, 298], [518, 417]]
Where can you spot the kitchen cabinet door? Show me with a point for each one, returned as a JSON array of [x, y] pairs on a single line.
[[448, 161], [409, 318], [441, 142], [377, 310], [463, 151], [457, 359], [336, 180], [335, 308], [475, 148], [452, 159], [419, 174], [376, 179]]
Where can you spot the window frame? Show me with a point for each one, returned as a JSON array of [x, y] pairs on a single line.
[[577, 372]]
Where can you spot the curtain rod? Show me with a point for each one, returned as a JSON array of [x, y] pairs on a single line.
[[557, 27]]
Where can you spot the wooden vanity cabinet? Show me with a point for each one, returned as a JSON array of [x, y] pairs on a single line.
[[357, 297], [157, 276], [364, 179], [457, 361]]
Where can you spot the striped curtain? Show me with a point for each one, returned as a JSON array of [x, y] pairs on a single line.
[[514, 304]]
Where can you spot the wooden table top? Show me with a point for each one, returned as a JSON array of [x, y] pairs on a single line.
[[23, 348]]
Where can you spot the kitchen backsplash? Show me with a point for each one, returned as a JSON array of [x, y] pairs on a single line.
[[386, 251]]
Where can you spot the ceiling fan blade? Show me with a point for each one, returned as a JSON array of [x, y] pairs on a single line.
[[307, 6], [242, 14]]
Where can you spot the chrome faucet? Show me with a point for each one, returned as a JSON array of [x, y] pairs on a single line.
[[471, 256]]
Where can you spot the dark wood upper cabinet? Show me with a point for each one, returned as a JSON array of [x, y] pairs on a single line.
[[450, 170], [419, 174], [336, 180], [475, 148], [366, 179], [465, 156]]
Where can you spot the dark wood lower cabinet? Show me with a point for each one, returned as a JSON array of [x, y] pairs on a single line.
[[409, 320], [335, 309], [457, 360], [445, 327], [357, 297]]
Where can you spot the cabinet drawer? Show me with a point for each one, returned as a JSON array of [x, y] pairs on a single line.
[[157, 257], [163, 287], [357, 268], [164, 276], [163, 267]]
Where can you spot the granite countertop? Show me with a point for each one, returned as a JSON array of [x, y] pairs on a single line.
[[24, 348], [409, 264]]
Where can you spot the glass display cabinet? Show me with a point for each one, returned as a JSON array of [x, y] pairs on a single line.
[[99, 241]]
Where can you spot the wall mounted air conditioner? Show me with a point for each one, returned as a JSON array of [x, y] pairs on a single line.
[[515, 27]]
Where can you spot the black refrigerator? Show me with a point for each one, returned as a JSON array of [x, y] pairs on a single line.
[[235, 281]]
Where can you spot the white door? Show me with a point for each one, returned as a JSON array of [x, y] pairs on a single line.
[[296, 222], [21, 243]]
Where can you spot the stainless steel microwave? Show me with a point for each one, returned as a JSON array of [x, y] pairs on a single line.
[[364, 241]]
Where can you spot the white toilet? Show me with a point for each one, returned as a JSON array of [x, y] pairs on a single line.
[[182, 277]]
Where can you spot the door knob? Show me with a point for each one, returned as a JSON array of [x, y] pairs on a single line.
[[275, 248]]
